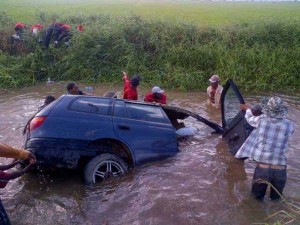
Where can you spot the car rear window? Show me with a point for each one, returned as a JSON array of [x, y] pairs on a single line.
[[92, 105], [145, 112]]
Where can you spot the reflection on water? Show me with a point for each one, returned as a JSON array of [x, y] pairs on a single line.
[[202, 184]]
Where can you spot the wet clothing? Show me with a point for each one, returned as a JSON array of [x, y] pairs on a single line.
[[277, 177], [59, 32], [155, 97], [268, 142], [267, 145], [130, 92], [4, 220], [214, 95]]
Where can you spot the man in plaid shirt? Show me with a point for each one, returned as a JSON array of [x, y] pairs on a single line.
[[267, 145]]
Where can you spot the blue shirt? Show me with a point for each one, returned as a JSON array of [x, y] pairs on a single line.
[[268, 141]]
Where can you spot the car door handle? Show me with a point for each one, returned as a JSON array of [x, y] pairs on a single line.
[[123, 127]]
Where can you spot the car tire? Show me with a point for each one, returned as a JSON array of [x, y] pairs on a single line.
[[102, 167]]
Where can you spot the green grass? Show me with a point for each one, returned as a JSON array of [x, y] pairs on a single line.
[[175, 45], [201, 13]]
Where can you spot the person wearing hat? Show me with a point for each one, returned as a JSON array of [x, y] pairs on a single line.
[[130, 86], [156, 95], [267, 146], [214, 91]]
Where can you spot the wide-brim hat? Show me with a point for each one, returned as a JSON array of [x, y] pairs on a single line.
[[274, 107]]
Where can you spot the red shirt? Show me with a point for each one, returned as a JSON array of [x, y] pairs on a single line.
[[4, 178], [150, 97], [80, 28], [129, 91]]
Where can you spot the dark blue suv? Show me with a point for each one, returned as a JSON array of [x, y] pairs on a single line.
[[105, 136]]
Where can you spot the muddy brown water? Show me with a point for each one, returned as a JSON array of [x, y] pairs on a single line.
[[202, 184]]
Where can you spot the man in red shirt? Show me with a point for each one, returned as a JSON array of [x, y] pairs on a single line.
[[130, 87], [157, 95]]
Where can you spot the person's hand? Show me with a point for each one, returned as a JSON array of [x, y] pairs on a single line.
[[16, 161], [27, 168], [124, 74], [244, 107], [31, 158]]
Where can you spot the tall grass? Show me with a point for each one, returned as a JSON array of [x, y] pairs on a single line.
[[258, 56]]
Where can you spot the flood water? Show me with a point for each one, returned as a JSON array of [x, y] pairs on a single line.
[[202, 184]]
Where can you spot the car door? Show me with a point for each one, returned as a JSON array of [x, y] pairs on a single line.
[[145, 129], [236, 129]]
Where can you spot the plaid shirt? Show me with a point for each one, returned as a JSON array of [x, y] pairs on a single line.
[[268, 141]]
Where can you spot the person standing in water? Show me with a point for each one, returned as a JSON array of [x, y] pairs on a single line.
[[214, 91]]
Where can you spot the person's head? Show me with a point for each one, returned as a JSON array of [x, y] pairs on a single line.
[[72, 88], [19, 26], [157, 90], [135, 81], [256, 110], [214, 81], [274, 107], [48, 100]]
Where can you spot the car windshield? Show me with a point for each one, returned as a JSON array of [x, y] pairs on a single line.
[[231, 106]]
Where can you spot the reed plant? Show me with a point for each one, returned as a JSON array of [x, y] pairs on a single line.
[[289, 215], [258, 56]]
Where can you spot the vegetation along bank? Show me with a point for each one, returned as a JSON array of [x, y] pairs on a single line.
[[262, 56]]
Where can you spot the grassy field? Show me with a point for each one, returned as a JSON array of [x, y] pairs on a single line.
[[175, 44], [201, 13]]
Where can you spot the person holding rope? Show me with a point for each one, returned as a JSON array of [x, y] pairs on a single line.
[[15, 153]]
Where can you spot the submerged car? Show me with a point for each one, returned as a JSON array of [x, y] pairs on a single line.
[[105, 136]]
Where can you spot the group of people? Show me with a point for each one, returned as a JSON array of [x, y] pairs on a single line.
[[267, 144], [130, 91], [157, 95], [59, 32]]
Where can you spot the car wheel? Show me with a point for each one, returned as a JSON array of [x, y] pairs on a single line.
[[102, 167]]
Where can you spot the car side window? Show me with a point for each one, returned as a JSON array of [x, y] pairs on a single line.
[[145, 112], [120, 109], [231, 106], [91, 105]]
